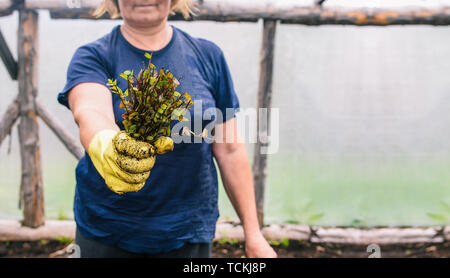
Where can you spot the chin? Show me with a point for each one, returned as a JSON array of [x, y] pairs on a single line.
[[146, 20]]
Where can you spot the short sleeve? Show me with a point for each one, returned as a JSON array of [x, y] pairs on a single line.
[[227, 100], [86, 65]]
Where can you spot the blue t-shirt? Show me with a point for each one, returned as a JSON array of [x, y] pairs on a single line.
[[178, 203]]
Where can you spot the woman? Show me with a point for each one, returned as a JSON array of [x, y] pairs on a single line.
[[174, 212]]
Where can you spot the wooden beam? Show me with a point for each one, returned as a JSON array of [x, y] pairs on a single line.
[[11, 230], [8, 119], [385, 12], [7, 58], [264, 101], [5, 4], [388, 235], [6, 7], [213, 10], [61, 4], [305, 12], [218, 6], [58, 128], [31, 188]]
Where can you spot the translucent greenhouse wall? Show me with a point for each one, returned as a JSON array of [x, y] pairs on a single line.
[[364, 119], [364, 126]]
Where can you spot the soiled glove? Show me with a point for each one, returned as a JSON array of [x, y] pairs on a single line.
[[123, 162], [163, 144]]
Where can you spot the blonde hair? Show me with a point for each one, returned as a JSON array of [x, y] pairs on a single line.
[[185, 7]]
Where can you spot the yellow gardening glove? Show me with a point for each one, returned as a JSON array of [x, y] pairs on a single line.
[[123, 162]]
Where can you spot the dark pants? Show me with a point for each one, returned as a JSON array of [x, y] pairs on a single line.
[[93, 249]]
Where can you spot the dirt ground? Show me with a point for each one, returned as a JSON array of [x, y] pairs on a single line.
[[291, 249], [328, 250]]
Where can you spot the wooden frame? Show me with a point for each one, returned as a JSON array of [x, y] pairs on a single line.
[[307, 12]]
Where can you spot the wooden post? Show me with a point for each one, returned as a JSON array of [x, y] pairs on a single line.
[[72, 145], [31, 187], [264, 101], [8, 119], [7, 58]]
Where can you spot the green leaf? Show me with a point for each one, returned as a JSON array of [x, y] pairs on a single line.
[[292, 222], [437, 217], [315, 217], [307, 206], [126, 124], [132, 115], [273, 242], [161, 130], [285, 242], [162, 83], [446, 206], [148, 55], [177, 112], [357, 222]]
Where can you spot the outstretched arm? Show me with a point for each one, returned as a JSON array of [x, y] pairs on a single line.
[[91, 105], [92, 109]]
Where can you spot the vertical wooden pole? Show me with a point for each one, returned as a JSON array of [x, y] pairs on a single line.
[[31, 188], [264, 101]]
